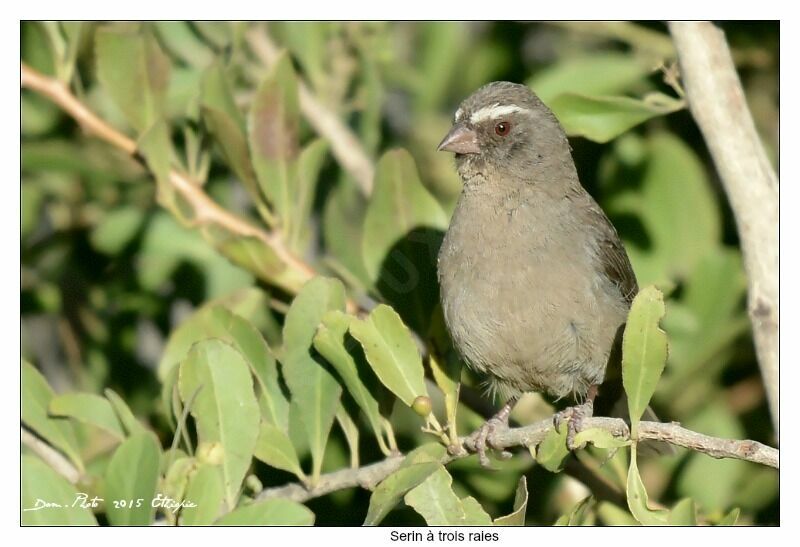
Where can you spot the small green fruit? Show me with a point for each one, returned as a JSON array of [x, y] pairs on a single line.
[[422, 405]]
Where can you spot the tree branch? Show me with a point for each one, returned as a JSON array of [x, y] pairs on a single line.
[[370, 475], [50, 456], [345, 146], [206, 209], [718, 104]]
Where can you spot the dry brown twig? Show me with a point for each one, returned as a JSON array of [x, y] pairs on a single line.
[[718, 104]]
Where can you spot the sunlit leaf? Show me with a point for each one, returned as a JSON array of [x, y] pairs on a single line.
[[552, 451], [638, 500], [644, 352], [277, 512], [597, 74], [134, 72], [315, 392], [131, 479], [90, 409], [391, 352], [330, 341], [206, 491], [41, 484], [217, 380], [36, 397], [602, 118], [435, 500], [275, 448]]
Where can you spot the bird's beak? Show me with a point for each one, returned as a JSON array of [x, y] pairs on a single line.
[[460, 140]]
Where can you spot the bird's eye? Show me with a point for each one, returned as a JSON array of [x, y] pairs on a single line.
[[502, 128]]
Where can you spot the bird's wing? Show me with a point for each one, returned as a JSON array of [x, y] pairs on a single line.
[[612, 255]]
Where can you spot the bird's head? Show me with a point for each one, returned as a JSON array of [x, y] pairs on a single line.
[[503, 128]]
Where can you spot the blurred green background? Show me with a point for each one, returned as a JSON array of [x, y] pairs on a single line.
[[107, 274]]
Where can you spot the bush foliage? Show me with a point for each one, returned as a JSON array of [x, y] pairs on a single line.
[[170, 354]]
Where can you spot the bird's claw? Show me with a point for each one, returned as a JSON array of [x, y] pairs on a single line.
[[573, 418], [483, 438]]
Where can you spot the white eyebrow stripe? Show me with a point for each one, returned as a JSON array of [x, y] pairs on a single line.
[[494, 111], [459, 113]]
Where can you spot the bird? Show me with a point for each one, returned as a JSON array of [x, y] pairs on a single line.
[[535, 284]]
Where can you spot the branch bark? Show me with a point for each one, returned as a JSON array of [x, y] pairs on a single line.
[[345, 146], [50, 456], [370, 475], [717, 102]]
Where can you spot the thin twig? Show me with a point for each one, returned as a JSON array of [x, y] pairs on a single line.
[[206, 209], [50, 456], [718, 104], [345, 146], [371, 475]]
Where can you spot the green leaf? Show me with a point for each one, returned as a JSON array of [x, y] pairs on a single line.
[[116, 229], [179, 39], [254, 255], [315, 393], [730, 519], [392, 489], [330, 342], [678, 205], [227, 125], [601, 438], [637, 497], [273, 126], [225, 407], [602, 119], [683, 513], [275, 448], [474, 513], [644, 352], [176, 467], [581, 514], [553, 450], [40, 484], [123, 412], [277, 512], [517, 516], [134, 72], [155, 145], [215, 321], [600, 73], [131, 479], [207, 492], [36, 396], [448, 377], [435, 500], [309, 165], [90, 409], [351, 434], [613, 515], [402, 233], [391, 352], [342, 223]]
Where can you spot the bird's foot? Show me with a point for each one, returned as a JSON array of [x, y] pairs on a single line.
[[483, 437], [573, 417]]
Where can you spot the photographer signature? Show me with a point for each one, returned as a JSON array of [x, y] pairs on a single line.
[[83, 501]]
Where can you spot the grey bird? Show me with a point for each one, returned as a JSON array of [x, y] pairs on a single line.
[[535, 283]]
